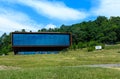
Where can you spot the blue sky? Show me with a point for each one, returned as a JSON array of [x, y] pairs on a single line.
[[36, 14]]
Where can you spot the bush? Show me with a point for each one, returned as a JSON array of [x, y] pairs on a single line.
[[92, 43], [89, 49], [81, 45], [118, 52], [103, 46], [91, 46], [4, 50], [73, 47]]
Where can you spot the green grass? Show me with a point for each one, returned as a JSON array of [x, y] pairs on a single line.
[[117, 46], [61, 73], [70, 58], [55, 66]]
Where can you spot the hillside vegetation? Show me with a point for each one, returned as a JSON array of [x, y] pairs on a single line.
[[111, 54], [84, 34], [61, 73], [65, 65]]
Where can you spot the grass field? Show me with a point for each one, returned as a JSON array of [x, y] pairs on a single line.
[[61, 73], [55, 66]]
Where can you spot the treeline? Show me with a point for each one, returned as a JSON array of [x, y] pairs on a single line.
[[84, 34], [5, 44]]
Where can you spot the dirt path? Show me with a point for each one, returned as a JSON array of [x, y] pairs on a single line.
[[112, 66], [2, 67], [103, 65]]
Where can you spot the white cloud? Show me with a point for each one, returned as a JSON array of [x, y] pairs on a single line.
[[108, 8], [12, 20], [50, 26], [54, 10]]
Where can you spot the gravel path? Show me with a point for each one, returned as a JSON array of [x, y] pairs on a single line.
[[2, 67], [95, 65], [98, 65], [103, 65]]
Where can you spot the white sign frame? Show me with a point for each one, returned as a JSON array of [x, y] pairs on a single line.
[[98, 47]]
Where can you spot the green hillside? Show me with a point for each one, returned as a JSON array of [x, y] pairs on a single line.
[[73, 63], [65, 65], [85, 34]]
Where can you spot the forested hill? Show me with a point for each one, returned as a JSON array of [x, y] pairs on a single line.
[[101, 30]]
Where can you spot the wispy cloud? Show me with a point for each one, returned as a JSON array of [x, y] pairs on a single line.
[[108, 8], [13, 20], [54, 10], [52, 26]]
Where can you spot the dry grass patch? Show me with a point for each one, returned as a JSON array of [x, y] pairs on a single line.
[[116, 68], [2, 67]]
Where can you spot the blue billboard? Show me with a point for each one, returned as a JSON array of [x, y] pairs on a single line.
[[40, 39]]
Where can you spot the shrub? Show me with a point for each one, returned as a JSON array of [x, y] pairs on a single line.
[[118, 52], [103, 46], [92, 43], [81, 45], [73, 47], [89, 49]]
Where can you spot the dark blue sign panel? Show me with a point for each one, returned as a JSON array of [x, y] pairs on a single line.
[[38, 52], [41, 39]]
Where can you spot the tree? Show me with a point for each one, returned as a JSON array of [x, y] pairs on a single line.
[[23, 30], [5, 44], [43, 30]]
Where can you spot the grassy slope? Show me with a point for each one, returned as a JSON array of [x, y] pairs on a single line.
[[51, 66], [61, 73], [70, 58]]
